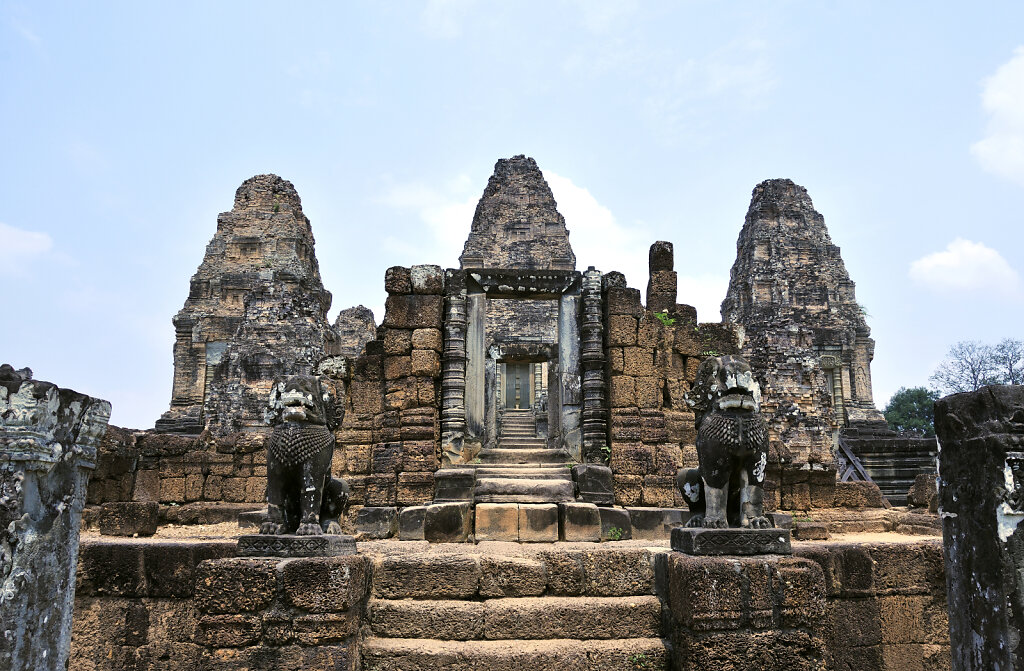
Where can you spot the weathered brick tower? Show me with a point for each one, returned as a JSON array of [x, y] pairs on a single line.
[[256, 309], [804, 332]]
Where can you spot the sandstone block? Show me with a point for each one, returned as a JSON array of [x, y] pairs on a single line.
[[659, 490], [427, 279], [129, 518], [410, 523], [413, 312], [538, 522], [511, 576], [628, 489], [426, 362], [615, 361], [386, 458], [377, 521], [853, 494], [615, 524], [631, 459], [419, 455], [229, 631], [810, 531], [235, 585], [618, 572], [497, 522], [427, 339], [448, 523], [579, 522], [325, 584], [648, 392], [358, 458], [638, 361], [397, 280]]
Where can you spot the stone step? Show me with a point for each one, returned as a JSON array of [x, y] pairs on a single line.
[[521, 444], [522, 490], [572, 617], [527, 471], [522, 456], [418, 654]]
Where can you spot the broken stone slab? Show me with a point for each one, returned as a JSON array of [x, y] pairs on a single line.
[[615, 524], [410, 523], [716, 542], [48, 442], [448, 523], [129, 518], [538, 522], [273, 545], [780, 520], [377, 521]]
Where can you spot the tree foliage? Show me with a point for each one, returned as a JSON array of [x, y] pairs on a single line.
[[912, 410], [971, 364]]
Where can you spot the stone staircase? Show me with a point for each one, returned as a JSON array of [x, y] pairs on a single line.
[[521, 468], [553, 611]]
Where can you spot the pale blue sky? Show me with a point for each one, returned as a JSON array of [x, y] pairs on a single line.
[[126, 127]]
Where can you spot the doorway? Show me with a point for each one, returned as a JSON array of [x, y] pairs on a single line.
[[518, 386]]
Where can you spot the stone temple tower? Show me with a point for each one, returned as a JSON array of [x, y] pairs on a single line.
[[256, 309], [516, 224], [804, 331]]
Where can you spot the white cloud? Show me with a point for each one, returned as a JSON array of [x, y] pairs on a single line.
[[599, 16], [442, 19], [966, 266], [599, 240], [447, 212], [1001, 151], [21, 248]]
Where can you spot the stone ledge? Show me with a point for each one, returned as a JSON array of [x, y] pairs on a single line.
[[715, 542]]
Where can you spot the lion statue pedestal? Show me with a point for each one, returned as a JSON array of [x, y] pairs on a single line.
[[304, 503]]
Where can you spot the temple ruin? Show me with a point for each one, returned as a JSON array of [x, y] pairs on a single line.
[[518, 398]]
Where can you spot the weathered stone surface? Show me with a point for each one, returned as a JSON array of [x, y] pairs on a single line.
[[511, 577], [377, 521], [353, 328], [655, 524], [256, 310], [516, 224], [129, 518], [448, 523], [806, 337], [615, 524], [269, 545], [426, 577], [48, 442], [981, 499], [497, 522], [410, 523], [593, 484], [579, 522], [538, 522], [698, 541]]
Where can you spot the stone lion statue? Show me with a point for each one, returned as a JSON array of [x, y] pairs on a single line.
[[302, 497], [732, 447]]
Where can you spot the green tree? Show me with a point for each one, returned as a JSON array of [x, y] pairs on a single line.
[[970, 365], [911, 410]]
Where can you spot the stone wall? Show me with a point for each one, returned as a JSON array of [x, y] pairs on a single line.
[[168, 605], [389, 439], [354, 327], [830, 606], [650, 366]]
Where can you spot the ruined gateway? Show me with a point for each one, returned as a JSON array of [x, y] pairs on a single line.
[[514, 398]]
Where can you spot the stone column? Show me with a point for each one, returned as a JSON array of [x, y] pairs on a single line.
[[595, 410], [453, 379], [569, 375], [48, 441], [981, 499]]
